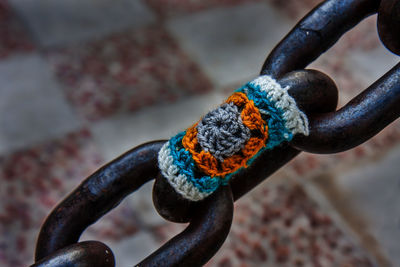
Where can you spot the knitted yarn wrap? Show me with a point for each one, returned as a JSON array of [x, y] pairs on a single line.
[[257, 117]]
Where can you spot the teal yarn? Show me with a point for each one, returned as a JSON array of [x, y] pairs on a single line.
[[277, 132], [187, 166]]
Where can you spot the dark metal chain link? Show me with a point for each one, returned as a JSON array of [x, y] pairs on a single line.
[[315, 93]]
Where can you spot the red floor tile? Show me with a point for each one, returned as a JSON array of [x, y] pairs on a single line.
[[13, 37], [32, 182], [126, 72]]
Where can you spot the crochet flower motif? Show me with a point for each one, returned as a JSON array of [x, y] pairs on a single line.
[[222, 132]]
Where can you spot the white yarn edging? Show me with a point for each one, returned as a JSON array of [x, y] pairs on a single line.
[[178, 181], [295, 120]]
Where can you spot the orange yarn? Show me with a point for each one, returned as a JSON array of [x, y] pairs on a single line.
[[207, 163], [189, 141], [238, 98]]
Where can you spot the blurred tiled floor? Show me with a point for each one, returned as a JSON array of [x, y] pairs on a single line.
[[279, 224], [84, 81], [125, 72]]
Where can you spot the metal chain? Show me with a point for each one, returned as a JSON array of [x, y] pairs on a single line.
[[315, 93]]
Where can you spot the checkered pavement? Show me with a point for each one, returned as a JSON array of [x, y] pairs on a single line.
[[83, 81]]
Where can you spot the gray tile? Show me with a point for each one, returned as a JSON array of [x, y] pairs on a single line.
[[142, 203], [231, 44], [370, 66], [375, 191], [32, 106], [116, 135], [62, 22], [132, 250]]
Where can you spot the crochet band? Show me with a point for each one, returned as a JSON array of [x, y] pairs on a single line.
[[257, 117]]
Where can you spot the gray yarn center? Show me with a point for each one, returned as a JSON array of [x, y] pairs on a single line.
[[222, 132]]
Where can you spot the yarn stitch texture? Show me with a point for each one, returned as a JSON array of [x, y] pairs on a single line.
[[257, 117]]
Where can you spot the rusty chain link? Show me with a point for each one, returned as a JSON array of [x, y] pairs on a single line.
[[315, 93]]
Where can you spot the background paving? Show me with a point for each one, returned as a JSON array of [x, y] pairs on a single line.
[[83, 81]]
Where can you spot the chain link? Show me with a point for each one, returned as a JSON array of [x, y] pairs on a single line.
[[315, 93]]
